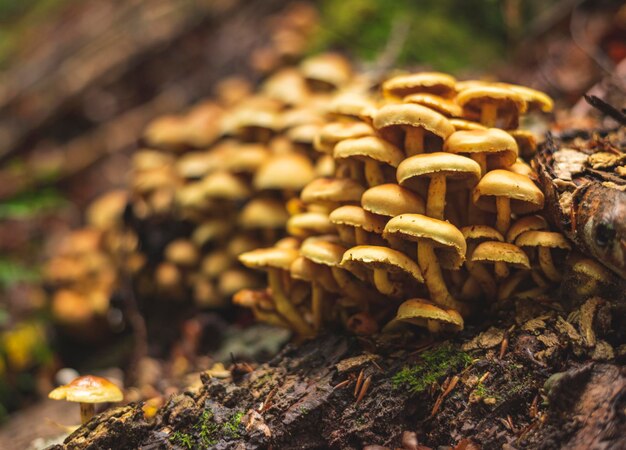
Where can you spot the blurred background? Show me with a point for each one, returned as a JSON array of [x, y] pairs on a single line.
[[80, 79]]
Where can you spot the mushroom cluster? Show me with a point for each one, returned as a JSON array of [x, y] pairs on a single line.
[[364, 207], [423, 207], [84, 271]]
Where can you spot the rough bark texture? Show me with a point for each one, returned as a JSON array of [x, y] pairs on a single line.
[[549, 390]]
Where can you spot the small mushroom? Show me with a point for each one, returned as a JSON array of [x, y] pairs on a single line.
[[432, 235], [308, 224], [505, 192], [385, 263], [442, 105], [422, 313], [284, 172], [275, 261], [437, 167], [544, 241], [500, 254], [490, 103], [373, 153], [354, 224], [332, 192], [412, 127], [435, 83], [492, 147], [87, 390]]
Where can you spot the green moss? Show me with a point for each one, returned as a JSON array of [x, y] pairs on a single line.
[[436, 364], [181, 439], [231, 428], [205, 433]]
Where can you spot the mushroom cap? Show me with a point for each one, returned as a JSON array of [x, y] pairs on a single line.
[[287, 86], [436, 83], [550, 239], [447, 239], [226, 186], [536, 100], [526, 141], [210, 230], [323, 251], [418, 312], [414, 169], [369, 147], [269, 258], [182, 253], [527, 223], [244, 158], [303, 115], [494, 142], [524, 195], [106, 211], [495, 251], [167, 131], [509, 102], [462, 124], [389, 118], [235, 279], [304, 134], [146, 159], [342, 190], [263, 213], [289, 242], [290, 171], [384, 258], [309, 223], [522, 168], [357, 217], [481, 232], [88, 389], [442, 105], [392, 200], [332, 133], [329, 68], [302, 269], [349, 104], [193, 165], [216, 262]]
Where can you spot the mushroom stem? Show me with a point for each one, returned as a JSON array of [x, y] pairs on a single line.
[[87, 411], [346, 235], [350, 287], [436, 202], [413, 140], [547, 265], [508, 286], [355, 173], [360, 236], [385, 285], [270, 318], [481, 159], [284, 306], [471, 289], [373, 173], [484, 278], [501, 269], [317, 305], [538, 279], [427, 260], [489, 114], [433, 326], [503, 214]]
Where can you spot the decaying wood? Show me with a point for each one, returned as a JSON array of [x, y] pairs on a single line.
[[301, 399]]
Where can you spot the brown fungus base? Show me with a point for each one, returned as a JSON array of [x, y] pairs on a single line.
[[582, 407]]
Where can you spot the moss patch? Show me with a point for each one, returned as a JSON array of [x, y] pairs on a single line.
[[436, 364], [205, 433]]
